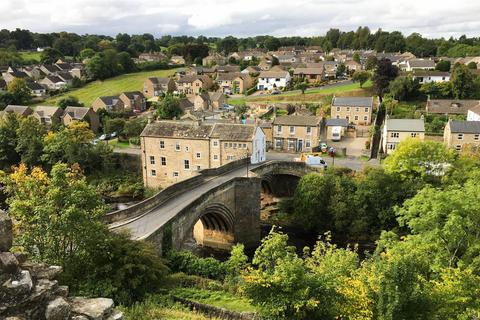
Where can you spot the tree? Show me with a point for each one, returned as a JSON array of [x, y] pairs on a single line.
[[371, 63], [29, 146], [169, 108], [134, 127], [8, 140], [69, 101], [20, 92], [384, 73], [415, 158], [241, 109], [404, 88], [443, 65], [302, 86], [126, 62], [356, 57], [462, 81], [114, 125], [361, 77], [86, 54], [97, 69], [341, 69], [50, 56]]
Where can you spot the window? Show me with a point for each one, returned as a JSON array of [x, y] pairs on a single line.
[[357, 109], [413, 134], [366, 109], [230, 145], [234, 146], [308, 144], [291, 144], [152, 160], [198, 154], [348, 109], [163, 160], [292, 130], [356, 118], [199, 168], [279, 129], [391, 146], [458, 147], [215, 157], [175, 173], [153, 173], [460, 136], [278, 143], [225, 145], [338, 117], [309, 130], [187, 149], [162, 144], [475, 137], [177, 146], [245, 146], [230, 158], [215, 143], [277, 79], [365, 118], [186, 164], [394, 135], [338, 109]]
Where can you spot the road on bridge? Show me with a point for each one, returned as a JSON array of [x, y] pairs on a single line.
[[143, 226]]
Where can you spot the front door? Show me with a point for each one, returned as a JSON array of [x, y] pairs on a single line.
[[299, 145]]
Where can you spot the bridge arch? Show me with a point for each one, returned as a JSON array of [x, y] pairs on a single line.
[[215, 227]]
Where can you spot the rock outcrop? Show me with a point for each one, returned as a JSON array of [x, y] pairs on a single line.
[[31, 291]]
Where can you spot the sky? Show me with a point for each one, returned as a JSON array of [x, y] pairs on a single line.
[[242, 18]]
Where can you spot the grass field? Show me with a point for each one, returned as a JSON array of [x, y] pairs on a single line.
[[109, 87], [31, 55], [311, 95], [220, 299]]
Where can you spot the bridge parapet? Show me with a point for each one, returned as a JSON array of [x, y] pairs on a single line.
[[294, 168], [146, 205]]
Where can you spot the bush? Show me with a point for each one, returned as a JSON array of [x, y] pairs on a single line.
[[134, 141], [187, 262], [183, 280]]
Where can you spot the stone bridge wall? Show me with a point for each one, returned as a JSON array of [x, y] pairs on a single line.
[[169, 192], [297, 169], [240, 195]]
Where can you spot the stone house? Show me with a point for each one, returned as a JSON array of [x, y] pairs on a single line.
[[214, 59], [36, 89], [397, 130], [457, 134], [234, 83], [177, 60], [109, 103], [134, 101], [48, 115], [356, 110], [428, 76], [152, 57], [194, 84], [208, 101], [450, 106], [22, 111], [310, 75], [419, 64], [88, 115], [296, 133], [176, 150], [158, 86], [53, 82]]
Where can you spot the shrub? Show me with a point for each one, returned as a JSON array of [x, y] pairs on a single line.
[[187, 262]]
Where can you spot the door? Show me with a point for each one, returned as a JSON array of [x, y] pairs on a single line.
[[299, 145]]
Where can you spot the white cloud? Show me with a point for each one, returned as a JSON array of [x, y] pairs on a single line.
[[241, 18]]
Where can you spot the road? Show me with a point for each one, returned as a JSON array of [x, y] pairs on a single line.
[[143, 226]]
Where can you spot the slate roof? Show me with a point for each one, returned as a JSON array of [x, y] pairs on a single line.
[[337, 123], [191, 78], [273, 74], [34, 86], [317, 71], [421, 63], [353, 101], [77, 113], [406, 125], [297, 120], [134, 94], [465, 126], [22, 110], [176, 129], [447, 106], [228, 76], [110, 100], [48, 111], [159, 80], [233, 132], [228, 68]]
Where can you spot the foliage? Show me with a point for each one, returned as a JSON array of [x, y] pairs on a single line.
[[19, 91], [169, 108], [462, 82], [241, 109], [384, 73], [415, 158], [437, 90], [302, 86], [217, 298], [443, 65], [361, 77], [69, 101], [404, 88], [30, 135], [9, 125], [184, 261], [134, 127]]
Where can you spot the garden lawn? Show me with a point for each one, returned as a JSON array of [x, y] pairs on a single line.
[[220, 299], [31, 55], [313, 95], [110, 87]]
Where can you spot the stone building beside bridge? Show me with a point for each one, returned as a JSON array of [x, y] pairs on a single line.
[[176, 150]]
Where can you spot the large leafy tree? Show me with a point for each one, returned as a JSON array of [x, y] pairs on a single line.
[[462, 81], [30, 135], [384, 73], [19, 90], [169, 108]]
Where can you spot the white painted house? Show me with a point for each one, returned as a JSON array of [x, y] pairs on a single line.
[[259, 150], [473, 114], [269, 80], [430, 76], [419, 64]]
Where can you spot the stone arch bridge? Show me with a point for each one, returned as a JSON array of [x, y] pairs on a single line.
[[217, 208]]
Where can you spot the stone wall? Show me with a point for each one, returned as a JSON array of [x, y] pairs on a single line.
[[216, 312], [31, 291]]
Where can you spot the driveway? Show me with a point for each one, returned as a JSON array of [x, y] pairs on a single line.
[[354, 145]]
